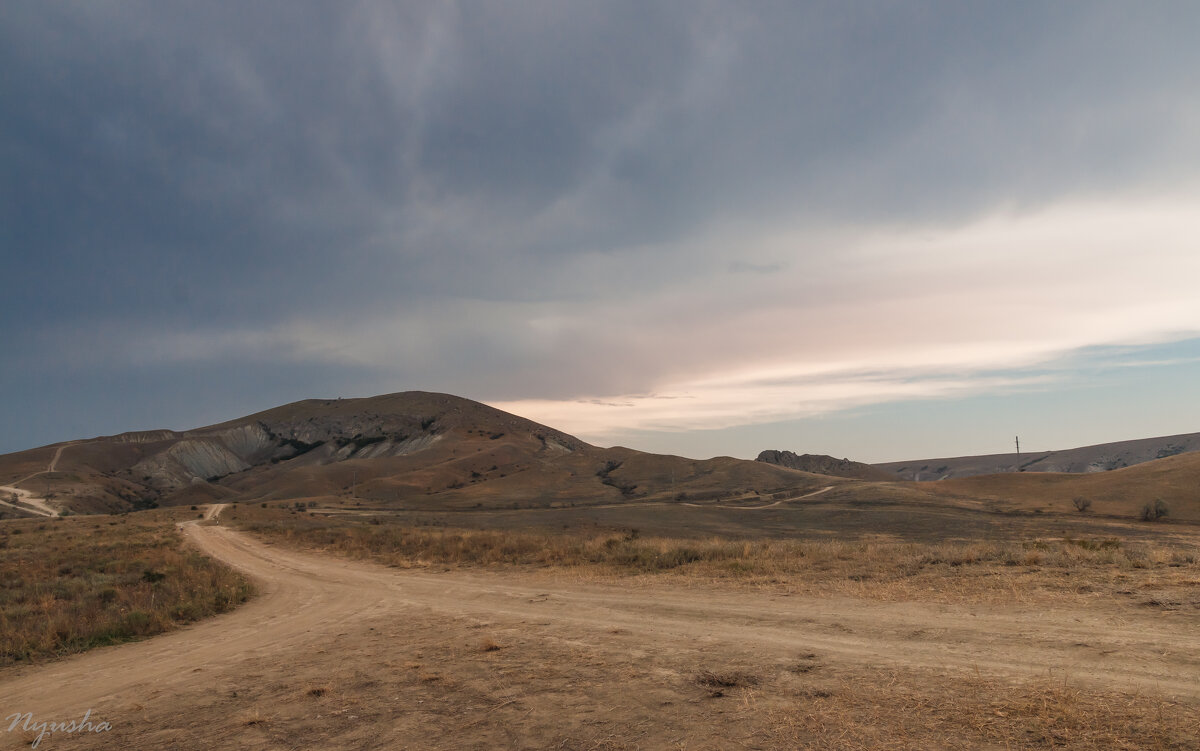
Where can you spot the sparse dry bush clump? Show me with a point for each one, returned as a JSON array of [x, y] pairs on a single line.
[[1152, 512], [89, 581]]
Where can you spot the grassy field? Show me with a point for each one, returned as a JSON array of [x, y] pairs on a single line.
[[70, 584], [1162, 573]]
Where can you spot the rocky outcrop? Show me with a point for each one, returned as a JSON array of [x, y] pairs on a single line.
[[822, 464], [146, 436], [247, 441], [188, 459]]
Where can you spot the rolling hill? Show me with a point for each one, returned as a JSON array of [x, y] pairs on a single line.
[[418, 451], [1175, 480], [412, 449]]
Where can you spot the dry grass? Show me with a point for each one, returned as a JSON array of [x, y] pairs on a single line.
[[253, 717], [717, 682], [902, 711], [71, 584], [1020, 570]]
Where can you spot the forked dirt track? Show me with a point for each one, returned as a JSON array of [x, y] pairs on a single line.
[[305, 599], [35, 503]]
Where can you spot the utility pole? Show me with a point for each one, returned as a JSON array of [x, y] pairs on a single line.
[[354, 485], [1018, 448]]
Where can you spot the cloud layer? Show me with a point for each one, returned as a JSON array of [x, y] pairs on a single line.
[[709, 214]]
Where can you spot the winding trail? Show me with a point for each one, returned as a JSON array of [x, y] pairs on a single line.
[[54, 461], [780, 502], [305, 599], [29, 501]]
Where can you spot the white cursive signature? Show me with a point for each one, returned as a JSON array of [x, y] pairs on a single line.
[[26, 722]]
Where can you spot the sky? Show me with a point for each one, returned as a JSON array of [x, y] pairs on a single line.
[[878, 230]]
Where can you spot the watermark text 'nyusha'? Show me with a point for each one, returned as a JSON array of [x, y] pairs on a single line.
[[26, 723]]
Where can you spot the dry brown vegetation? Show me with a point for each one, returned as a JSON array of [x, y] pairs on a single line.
[[900, 712], [1172, 481], [1164, 574], [70, 584]]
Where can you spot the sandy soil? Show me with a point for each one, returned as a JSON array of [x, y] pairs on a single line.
[[30, 503], [341, 654]]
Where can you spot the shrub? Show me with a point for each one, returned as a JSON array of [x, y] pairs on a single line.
[[1155, 511], [299, 447], [1082, 504], [361, 442]]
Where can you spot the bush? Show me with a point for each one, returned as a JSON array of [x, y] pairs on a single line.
[[1082, 504], [1155, 511]]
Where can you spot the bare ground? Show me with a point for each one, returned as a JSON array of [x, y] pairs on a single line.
[[341, 654], [26, 501]]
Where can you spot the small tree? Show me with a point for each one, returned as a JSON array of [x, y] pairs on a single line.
[[1082, 504]]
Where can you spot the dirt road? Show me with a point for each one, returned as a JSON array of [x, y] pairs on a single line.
[[29, 501], [780, 502], [307, 600]]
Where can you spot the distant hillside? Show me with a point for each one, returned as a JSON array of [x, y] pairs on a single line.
[[1174, 480], [435, 452], [413, 450], [823, 464], [1099, 458]]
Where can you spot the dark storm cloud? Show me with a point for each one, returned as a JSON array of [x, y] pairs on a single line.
[[491, 188]]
